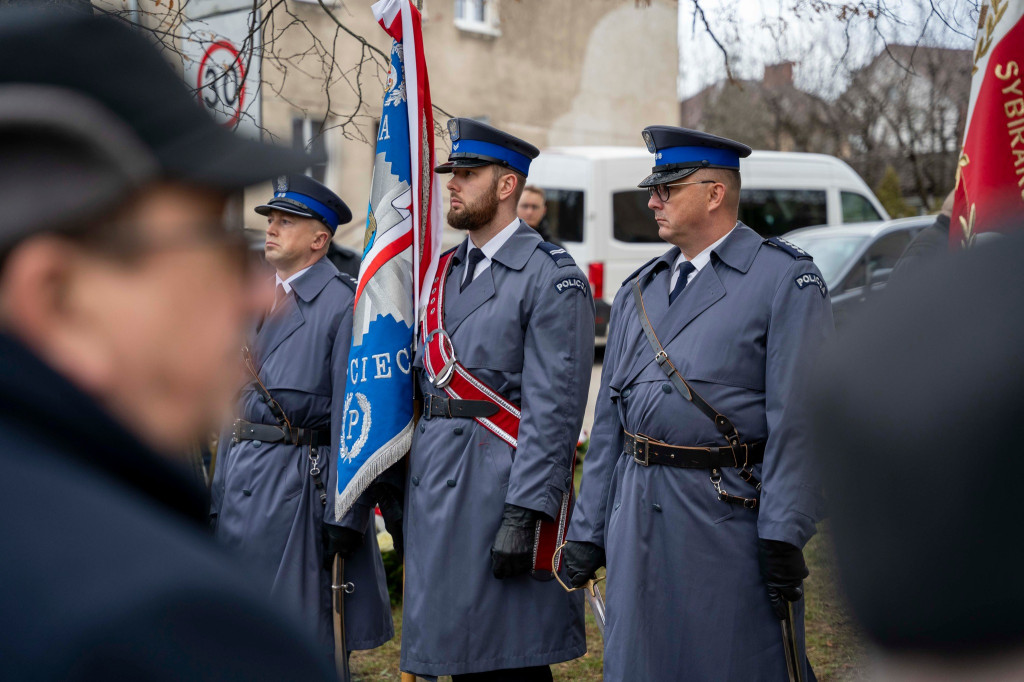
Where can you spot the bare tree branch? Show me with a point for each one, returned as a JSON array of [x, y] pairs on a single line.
[[699, 11]]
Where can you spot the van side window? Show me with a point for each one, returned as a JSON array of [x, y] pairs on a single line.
[[632, 221], [857, 208], [773, 212], [565, 214]]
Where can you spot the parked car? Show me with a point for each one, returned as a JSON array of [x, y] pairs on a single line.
[[597, 211], [856, 260]]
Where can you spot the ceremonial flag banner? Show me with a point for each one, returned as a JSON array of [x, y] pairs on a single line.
[[400, 252], [990, 175]]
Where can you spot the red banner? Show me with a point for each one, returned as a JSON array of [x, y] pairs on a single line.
[[990, 175]]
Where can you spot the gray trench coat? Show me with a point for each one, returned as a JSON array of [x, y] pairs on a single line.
[[533, 342], [264, 501], [685, 599]]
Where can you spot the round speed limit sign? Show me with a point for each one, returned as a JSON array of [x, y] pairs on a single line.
[[221, 81]]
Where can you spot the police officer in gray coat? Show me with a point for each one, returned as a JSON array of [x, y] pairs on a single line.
[[520, 319], [698, 486], [274, 472]]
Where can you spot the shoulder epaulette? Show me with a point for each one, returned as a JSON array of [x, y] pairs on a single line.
[[637, 271], [557, 253], [349, 280], [450, 250], [792, 249]]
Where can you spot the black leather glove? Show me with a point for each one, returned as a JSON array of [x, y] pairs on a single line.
[[388, 492], [581, 561], [512, 552], [338, 540], [783, 570]]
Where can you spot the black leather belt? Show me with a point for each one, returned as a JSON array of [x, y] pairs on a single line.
[[269, 433], [449, 408], [645, 451]]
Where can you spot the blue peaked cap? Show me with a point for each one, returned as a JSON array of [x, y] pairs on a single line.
[[303, 196], [476, 144], [678, 152]]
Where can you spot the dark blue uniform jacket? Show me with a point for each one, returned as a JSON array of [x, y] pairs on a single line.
[[108, 571]]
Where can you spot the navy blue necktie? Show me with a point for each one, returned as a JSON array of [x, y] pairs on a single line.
[[685, 269], [475, 256]]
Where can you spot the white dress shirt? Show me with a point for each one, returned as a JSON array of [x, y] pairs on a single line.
[[698, 262], [286, 284], [492, 246]]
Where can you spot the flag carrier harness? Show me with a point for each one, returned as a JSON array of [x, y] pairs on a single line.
[[469, 397]]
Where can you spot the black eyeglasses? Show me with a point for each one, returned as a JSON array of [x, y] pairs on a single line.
[[663, 190]]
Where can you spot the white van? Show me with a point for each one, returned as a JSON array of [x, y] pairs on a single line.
[[597, 211]]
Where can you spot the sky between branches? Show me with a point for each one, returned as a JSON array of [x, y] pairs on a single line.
[[825, 46]]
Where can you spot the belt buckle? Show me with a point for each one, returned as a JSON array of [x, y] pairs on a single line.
[[236, 431], [426, 406], [637, 441]]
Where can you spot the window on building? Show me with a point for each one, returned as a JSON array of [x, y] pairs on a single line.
[[773, 212], [310, 135], [565, 213], [632, 221], [857, 208], [477, 16]]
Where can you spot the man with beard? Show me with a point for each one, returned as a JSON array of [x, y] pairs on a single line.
[[698, 485], [492, 455]]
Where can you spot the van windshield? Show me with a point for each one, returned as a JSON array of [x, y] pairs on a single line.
[[773, 212], [565, 213]]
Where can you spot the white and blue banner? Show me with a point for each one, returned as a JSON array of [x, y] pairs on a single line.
[[399, 252]]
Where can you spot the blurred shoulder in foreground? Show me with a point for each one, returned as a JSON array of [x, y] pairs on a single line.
[[123, 297], [918, 416]]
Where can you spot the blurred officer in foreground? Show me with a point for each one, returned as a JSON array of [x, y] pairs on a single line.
[[697, 486], [919, 407], [122, 302], [275, 478], [492, 455]]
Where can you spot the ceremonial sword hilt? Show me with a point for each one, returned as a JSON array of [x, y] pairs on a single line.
[[590, 586]]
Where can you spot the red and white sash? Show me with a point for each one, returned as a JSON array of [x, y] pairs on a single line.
[[448, 374]]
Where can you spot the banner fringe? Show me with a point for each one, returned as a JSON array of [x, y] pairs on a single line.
[[373, 467]]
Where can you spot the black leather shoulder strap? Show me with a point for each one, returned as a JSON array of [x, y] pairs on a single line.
[[722, 423]]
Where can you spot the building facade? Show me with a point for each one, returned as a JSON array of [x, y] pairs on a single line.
[[554, 73]]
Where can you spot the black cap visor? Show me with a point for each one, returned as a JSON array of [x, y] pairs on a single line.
[[288, 206], [672, 172], [467, 161], [660, 177]]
